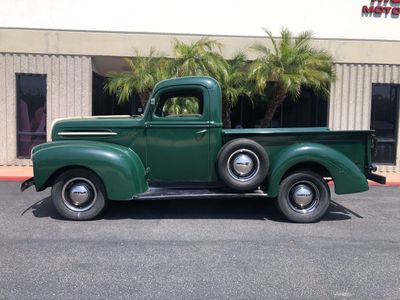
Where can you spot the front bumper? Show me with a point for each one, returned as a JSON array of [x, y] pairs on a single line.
[[27, 184]]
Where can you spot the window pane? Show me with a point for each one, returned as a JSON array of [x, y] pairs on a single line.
[[310, 110], [385, 152], [105, 104], [385, 98], [182, 104], [31, 116]]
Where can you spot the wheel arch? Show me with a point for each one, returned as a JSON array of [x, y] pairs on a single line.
[[119, 168], [347, 177], [316, 167], [52, 178]]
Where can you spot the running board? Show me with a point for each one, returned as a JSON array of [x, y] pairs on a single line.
[[155, 193]]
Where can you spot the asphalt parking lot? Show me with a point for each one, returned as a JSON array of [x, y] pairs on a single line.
[[206, 249]]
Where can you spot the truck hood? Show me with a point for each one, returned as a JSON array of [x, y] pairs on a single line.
[[92, 128]]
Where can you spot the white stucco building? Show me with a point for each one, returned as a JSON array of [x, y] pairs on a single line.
[[55, 54]]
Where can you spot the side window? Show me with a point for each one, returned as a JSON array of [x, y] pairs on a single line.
[[385, 121], [31, 112], [180, 104]]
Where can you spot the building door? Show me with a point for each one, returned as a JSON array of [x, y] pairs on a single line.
[[31, 112], [385, 121]]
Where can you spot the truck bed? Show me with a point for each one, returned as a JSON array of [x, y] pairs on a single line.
[[354, 144]]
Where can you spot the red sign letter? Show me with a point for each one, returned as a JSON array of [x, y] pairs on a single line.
[[396, 11], [368, 10], [379, 9]]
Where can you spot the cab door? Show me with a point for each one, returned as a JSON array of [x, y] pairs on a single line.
[[178, 135]]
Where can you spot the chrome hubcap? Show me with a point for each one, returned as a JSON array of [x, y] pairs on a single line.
[[304, 197], [79, 194], [243, 165]]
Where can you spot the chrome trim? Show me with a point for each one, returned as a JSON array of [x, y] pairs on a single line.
[[243, 164], [238, 163], [299, 196], [74, 205], [201, 131], [302, 195], [86, 133], [79, 194]]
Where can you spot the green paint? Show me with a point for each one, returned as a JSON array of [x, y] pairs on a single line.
[[184, 149], [120, 169]]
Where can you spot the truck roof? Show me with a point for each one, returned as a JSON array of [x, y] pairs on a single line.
[[206, 81], [209, 83]]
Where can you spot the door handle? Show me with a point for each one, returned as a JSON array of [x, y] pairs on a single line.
[[201, 131]]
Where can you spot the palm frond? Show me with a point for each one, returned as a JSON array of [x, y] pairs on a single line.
[[292, 64], [272, 39]]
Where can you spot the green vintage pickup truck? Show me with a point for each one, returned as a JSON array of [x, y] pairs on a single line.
[[178, 149]]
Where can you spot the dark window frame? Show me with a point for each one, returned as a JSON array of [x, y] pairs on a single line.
[[396, 88], [17, 97]]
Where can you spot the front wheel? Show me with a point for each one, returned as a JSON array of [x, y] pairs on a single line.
[[78, 194], [304, 197]]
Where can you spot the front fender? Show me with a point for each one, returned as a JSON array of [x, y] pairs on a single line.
[[120, 169], [347, 176]]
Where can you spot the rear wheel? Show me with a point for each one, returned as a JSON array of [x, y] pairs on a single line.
[[304, 197], [78, 194]]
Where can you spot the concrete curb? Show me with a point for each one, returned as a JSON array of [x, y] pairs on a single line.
[[387, 184], [14, 178]]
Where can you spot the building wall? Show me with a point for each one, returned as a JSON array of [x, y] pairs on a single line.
[[65, 56], [124, 44], [339, 19], [69, 92], [350, 99]]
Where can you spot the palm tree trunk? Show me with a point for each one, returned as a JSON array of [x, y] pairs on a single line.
[[226, 114], [273, 106]]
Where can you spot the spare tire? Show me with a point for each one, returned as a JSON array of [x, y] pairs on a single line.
[[242, 164]]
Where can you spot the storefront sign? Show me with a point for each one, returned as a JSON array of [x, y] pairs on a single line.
[[378, 8]]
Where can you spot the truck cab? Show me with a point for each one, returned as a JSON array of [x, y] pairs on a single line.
[[183, 130]]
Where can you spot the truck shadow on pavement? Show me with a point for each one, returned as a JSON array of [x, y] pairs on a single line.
[[251, 209]]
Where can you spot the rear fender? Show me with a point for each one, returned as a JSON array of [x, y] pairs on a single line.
[[120, 169], [347, 177]]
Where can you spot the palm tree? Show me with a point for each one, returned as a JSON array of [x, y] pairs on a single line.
[[202, 57], [292, 64], [179, 105], [144, 73], [234, 83]]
